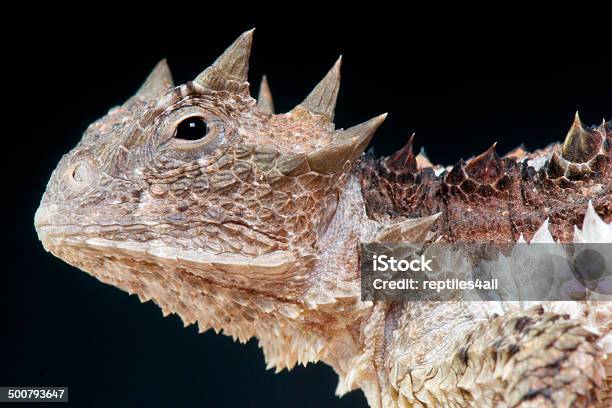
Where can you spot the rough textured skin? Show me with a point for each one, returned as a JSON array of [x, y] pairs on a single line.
[[253, 229], [493, 199]]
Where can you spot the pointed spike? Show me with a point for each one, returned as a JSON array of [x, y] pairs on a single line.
[[542, 235], [595, 229], [518, 153], [404, 158], [457, 174], [330, 159], [577, 122], [486, 167], [578, 237], [159, 80], [604, 128], [322, 99], [264, 99], [347, 145], [411, 230], [422, 159], [230, 70], [556, 167], [573, 135], [292, 164], [360, 135], [579, 145]]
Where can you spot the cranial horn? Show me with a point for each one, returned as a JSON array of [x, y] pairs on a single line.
[[579, 145], [359, 136], [347, 145], [230, 71], [264, 99], [159, 80], [322, 99]]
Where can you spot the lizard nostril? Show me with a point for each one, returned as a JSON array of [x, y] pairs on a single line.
[[80, 173]]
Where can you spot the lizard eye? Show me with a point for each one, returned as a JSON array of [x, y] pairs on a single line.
[[192, 131], [192, 128]]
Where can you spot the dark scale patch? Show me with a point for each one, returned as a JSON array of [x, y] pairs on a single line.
[[522, 323], [599, 164], [490, 199], [503, 183], [469, 187], [556, 167], [463, 354], [533, 393], [576, 172], [456, 175], [136, 194], [513, 349], [486, 190]]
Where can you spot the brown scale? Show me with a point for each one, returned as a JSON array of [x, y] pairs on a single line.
[[493, 199], [477, 196], [561, 189], [395, 187]]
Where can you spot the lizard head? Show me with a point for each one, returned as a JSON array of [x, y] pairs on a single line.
[[203, 178]]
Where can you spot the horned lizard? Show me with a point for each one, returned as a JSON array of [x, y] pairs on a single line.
[[202, 199]]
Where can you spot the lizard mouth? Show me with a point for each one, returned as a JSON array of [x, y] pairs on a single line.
[[71, 242], [55, 229]]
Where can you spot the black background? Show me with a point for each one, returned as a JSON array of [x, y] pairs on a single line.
[[460, 84]]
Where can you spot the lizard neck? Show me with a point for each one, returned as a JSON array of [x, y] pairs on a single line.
[[352, 328]]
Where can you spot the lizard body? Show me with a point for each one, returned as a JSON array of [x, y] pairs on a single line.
[[200, 198]]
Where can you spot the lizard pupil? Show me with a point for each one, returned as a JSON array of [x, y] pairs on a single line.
[[193, 128]]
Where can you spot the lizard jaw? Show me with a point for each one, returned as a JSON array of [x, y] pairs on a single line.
[[83, 247]]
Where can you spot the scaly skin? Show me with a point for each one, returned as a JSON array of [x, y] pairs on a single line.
[[253, 229]]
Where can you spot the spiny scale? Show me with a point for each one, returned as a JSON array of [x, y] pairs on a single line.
[[322, 99], [159, 80], [493, 198], [265, 103], [230, 71], [485, 168], [583, 153], [347, 145], [404, 158], [580, 144], [413, 230], [556, 166], [457, 174]]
